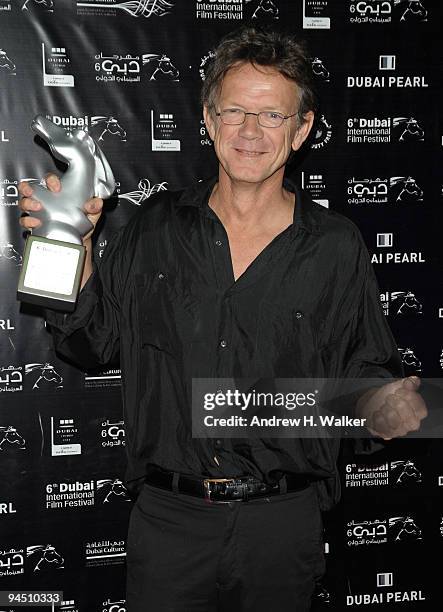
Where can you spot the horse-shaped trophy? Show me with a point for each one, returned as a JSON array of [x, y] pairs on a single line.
[[54, 253]]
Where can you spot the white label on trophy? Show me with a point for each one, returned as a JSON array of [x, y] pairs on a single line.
[[51, 267]]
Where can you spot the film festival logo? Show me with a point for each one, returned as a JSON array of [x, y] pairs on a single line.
[[10, 254], [113, 434], [380, 11], [319, 69], [43, 376], [376, 130], [10, 439], [400, 303], [102, 127], [383, 531], [8, 192], [397, 473], [7, 66], [389, 190], [45, 5], [266, 9], [405, 472], [11, 379], [410, 129], [129, 68], [411, 362], [44, 558], [133, 8], [412, 10], [111, 491], [12, 562]]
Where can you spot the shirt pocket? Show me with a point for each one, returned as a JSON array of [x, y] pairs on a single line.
[[167, 311], [288, 335]]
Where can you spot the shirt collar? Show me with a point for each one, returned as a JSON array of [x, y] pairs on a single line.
[[307, 213]]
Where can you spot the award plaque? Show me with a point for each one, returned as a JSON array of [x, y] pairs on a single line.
[[54, 254]]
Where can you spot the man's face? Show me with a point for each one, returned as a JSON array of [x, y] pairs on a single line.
[[249, 152]]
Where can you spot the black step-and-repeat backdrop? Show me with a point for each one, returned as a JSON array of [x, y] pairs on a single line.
[[130, 72]]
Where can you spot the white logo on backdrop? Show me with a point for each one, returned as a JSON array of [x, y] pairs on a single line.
[[410, 359], [47, 5], [144, 191], [110, 489], [319, 69], [44, 375], [10, 436], [135, 8], [411, 129], [405, 472], [414, 10], [44, 557], [6, 64], [163, 67], [108, 126], [409, 302], [265, 8], [8, 251]]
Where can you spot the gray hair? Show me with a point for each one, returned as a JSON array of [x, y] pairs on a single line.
[[261, 47]]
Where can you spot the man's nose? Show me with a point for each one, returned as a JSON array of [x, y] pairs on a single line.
[[251, 128]]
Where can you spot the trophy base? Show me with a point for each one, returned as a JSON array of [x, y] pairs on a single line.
[[51, 273]]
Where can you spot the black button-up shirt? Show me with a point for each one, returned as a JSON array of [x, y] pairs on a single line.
[[165, 298]]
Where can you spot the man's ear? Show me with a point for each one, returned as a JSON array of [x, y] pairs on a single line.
[[209, 118], [303, 131]]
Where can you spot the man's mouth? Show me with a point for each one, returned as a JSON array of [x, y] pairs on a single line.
[[248, 153]]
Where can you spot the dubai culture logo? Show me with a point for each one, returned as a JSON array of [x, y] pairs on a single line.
[[46, 5], [134, 8], [144, 191]]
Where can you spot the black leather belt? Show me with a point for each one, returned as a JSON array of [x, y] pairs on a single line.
[[222, 490]]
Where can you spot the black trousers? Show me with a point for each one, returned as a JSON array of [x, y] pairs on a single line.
[[185, 554]]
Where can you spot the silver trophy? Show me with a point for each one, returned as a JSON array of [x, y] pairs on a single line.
[[54, 254]]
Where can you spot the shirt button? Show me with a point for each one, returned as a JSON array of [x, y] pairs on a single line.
[[299, 315], [218, 443], [218, 242], [223, 343], [161, 276]]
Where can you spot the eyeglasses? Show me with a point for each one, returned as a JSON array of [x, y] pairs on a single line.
[[236, 116]]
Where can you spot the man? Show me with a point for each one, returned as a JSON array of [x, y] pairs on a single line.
[[241, 276]]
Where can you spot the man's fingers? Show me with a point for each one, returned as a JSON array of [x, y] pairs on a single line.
[[93, 206], [29, 222], [411, 383], [419, 407], [25, 189], [29, 205], [52, 182]]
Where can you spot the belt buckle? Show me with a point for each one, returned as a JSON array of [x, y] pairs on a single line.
[[206, 484]]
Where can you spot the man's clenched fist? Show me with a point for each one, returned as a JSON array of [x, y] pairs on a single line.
[[393, 410]]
